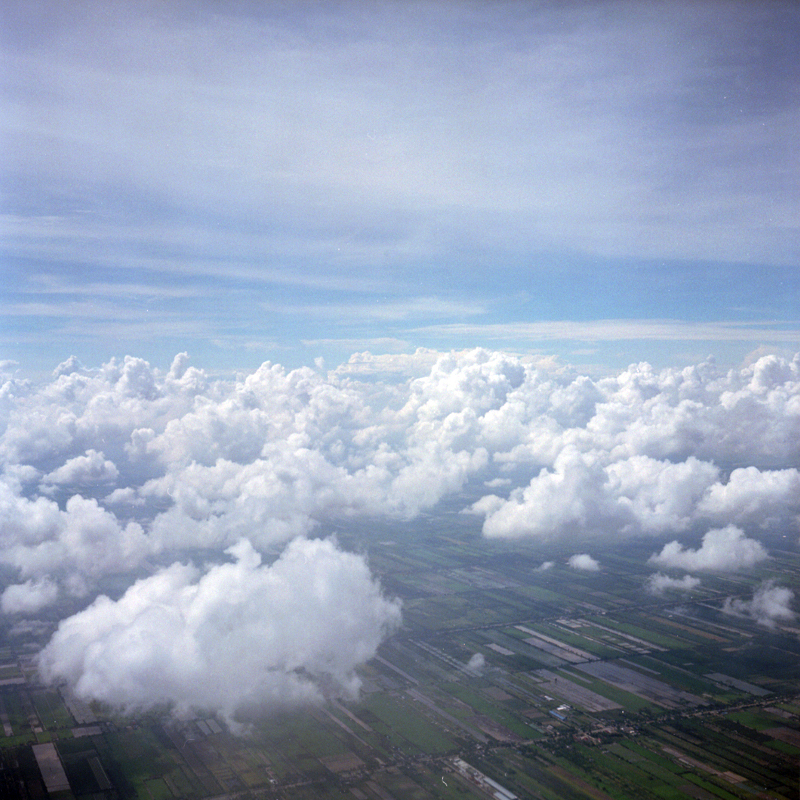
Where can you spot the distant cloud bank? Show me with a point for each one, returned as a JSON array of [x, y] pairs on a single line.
[[109, 470]]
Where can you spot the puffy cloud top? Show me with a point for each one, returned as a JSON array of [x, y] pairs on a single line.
[[81, 541], [163, 460], [583, 561], [235, 636], [91, 468], [723, 550], [771, 605]]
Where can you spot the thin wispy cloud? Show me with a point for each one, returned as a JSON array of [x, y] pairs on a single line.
[[384, 345], [49, 285], [291, 156], [381, 309], [623, 329]]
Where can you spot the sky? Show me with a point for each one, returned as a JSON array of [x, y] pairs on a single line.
[[609, 182], [275, 269]]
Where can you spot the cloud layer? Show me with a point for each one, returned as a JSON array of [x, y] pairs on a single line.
[[395, 172], [109, 470], [104, 468]]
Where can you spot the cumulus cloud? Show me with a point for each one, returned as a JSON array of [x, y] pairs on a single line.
[[28, 597], [771, 605], [561, 501], [144, 461], [236, 636], [722, 550], [72, 364], [91, 468], [638, 495], [79, 543], [476, 663], [659, 583], [545, 565], [767, 499], [583, 561]]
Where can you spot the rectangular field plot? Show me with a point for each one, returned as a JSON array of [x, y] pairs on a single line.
[[643, 686], [554, 646], [399, 717], [573, 693]]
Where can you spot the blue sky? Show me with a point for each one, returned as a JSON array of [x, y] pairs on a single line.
[[609, 182]]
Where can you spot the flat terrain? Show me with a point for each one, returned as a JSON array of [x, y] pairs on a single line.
[[581, 685]]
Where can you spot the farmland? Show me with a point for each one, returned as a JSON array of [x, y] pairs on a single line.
[[552, 683]]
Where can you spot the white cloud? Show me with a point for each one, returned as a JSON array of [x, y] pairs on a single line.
[[201, 462], [237, 636], [638, 452], [72, 364], [752, 497], [659, 583], [476, 663], [581, 495], [85, 540], [91, 468], [413, 364], [583, 561], [497, 483], [771, 605], [385, 311], [28, 597], [566, 500], [273, 454], [723, 550], [614, 330]]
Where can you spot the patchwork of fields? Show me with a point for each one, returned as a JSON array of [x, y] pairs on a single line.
[[505, 680]]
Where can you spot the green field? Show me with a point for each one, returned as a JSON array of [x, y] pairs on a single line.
[[421, 707]]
